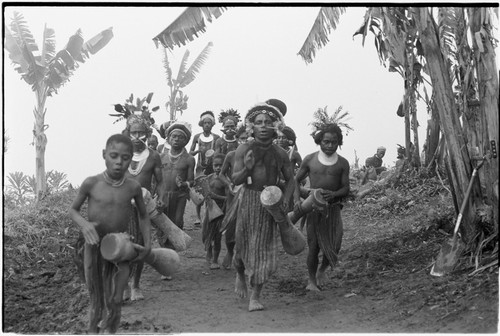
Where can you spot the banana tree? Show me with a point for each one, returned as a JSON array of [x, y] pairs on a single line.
[[177, 101], [46, 71]]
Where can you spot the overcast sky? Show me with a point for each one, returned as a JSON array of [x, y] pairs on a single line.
[[254, 58]]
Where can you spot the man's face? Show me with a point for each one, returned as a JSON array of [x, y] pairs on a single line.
[[138, 135], [117, 157], [329, 143], [207, 125], [229, 127], [177, 139], [263, 128], [217, 165]]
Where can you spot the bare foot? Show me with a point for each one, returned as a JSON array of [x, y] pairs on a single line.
[[311, 286], [321, 278], [136, 294], [126, 294], [240, 287], [226, 263], [255, 305], [214, 266]]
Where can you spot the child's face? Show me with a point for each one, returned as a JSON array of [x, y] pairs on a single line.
[[329, 143], [217, 165], [117, 157], [153, 142], [282, 141], [243, 137], [207, 125]]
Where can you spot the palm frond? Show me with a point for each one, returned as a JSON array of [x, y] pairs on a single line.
[[182, 67], [61, 66], [447, 23], [15, 52], [195, 67], [327, 19], [187, 26], [22, 33], [48, 45], [166, 65]]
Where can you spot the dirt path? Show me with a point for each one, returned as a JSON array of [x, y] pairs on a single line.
[[355, 300]]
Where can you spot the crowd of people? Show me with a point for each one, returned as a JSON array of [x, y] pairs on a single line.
[[230, 171]]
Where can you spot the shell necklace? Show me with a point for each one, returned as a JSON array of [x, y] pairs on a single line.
[[141, 159], [111, 182], [327, 160]]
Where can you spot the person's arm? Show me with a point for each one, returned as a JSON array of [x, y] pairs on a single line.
[[244, 162], [144, 224], [88, 228], [287, 172], [159, 181], [301, 175], [298, 158], [218, 145], [226, 165], [192, 151]]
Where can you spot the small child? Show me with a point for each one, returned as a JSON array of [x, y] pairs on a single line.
[[216, 193], [109, 197]]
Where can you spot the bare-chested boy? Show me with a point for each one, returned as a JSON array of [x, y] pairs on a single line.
[[109, 197], [204, 141], [211, 234], [258, 164], [177, 171], [145, 164], [329, 172]]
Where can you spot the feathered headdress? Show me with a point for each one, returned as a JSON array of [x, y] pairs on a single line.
[[138, 112], [229, 113], [322, 120]]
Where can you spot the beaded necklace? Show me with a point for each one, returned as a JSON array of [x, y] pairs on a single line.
[[111, 182]]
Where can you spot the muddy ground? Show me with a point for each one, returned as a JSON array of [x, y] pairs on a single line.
[[381, 285]]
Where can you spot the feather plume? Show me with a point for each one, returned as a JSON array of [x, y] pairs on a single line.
[[321, 119], [229, 113]]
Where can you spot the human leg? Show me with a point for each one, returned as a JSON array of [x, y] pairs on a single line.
[[321, 274], [94, 281], [312, 258], [240, 287], [135, 291], [254, 303], [118, 283], [216, 251]]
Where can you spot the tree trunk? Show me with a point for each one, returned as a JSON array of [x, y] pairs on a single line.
[[408, 145], [460, 167], [40, 145], [487, 76], [432, 138], [414, 126]]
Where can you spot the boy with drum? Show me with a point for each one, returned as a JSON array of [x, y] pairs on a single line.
[[329, 172]]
